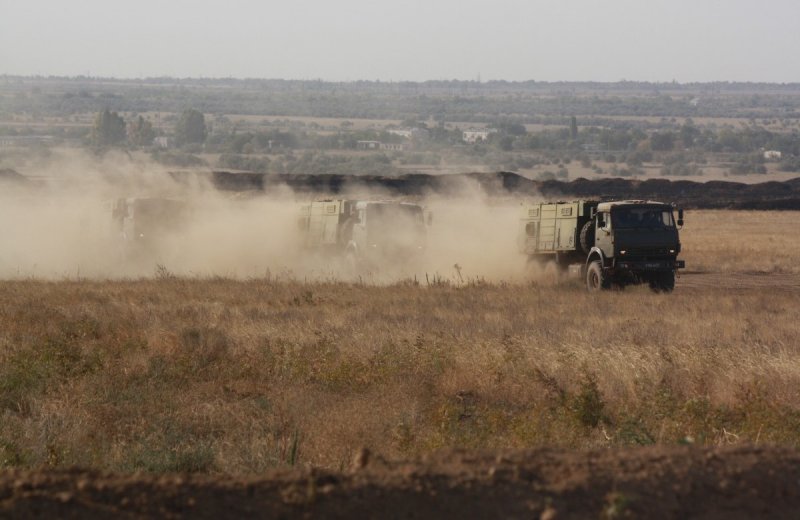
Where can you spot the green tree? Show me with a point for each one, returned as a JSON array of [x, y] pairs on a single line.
[[191, 128], [688, 133], [109, 129], [140, 132], [662, 141], [573, 128]]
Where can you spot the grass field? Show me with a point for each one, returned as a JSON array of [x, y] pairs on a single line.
[[741, 241], [237, 376]]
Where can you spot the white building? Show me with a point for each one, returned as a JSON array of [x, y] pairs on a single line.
[[162, 142], [772, 155], [474, 136], [410, 133], [368, 145]]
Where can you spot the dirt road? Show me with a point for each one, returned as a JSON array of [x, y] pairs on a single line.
[[653, 482]]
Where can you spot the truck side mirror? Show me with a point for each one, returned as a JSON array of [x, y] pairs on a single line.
[[600, 222], [680, 217]]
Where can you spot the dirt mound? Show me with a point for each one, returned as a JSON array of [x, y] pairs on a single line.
[[689, 194], [9, 175], [654, 482]]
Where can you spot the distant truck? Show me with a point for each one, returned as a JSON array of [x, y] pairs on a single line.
[[616, 243], [365, 233], [143, 222]]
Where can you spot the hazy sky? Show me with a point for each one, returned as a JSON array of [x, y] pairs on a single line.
[[604, 40]]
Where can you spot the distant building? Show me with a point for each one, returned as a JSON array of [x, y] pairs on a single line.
[[24, 140], [415, 134], [368, 145], [162, 142], [377, 145], [474, 136], [772, 155]]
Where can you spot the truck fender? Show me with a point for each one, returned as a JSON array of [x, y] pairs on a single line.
[[595, 253], [351, 247]]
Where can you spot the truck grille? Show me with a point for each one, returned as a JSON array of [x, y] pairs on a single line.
[[640, 252]]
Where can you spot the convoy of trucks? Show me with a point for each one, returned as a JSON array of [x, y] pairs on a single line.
[[614, 243]]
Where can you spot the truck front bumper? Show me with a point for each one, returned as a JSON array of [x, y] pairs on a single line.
[[649, 265]]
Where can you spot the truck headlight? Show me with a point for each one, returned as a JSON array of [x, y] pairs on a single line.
[[622, 252], [672, 251]]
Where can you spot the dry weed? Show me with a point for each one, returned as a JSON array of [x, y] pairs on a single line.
[[240, 376]]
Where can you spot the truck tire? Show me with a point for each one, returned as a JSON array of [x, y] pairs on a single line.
[[663, 282], [595, 278], [587, 237]]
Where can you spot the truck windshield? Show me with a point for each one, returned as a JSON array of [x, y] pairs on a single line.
[[644, 218]]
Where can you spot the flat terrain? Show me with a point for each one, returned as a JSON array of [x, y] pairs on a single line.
[[554, 400], [694, 280]]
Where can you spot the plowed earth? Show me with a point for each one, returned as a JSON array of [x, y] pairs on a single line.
[[654, 482]]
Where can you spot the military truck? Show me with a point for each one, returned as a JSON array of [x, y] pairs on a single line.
[[365, 233], [616, 243], [141, 223]]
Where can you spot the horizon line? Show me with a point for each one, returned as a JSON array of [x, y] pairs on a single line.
[[394, 81]]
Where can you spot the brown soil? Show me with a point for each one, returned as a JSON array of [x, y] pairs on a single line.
[[654, 482]]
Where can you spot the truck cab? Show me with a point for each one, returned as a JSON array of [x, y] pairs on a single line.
[[391, 229], [635, 242], [141, 222], [365, 232]]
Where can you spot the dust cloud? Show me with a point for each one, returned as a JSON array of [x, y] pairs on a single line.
[[61, 225]]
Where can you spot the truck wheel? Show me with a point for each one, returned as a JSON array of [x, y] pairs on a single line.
[[663, 282], [595, 279], [587, 237]]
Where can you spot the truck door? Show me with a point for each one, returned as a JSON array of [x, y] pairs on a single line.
[[604, 237]]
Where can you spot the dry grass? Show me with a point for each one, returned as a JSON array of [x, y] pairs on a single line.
[[742, 241], [239, 376]]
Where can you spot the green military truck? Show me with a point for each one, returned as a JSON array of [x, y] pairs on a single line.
[[144, 221], [365, 233], [616, 243]]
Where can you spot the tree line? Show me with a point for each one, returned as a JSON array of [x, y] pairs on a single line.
[[532, 102], [111, 129]]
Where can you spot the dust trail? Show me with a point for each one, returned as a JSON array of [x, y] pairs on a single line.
[[62, 226]]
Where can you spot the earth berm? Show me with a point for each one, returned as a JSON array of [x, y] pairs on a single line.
[[737, 481]]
